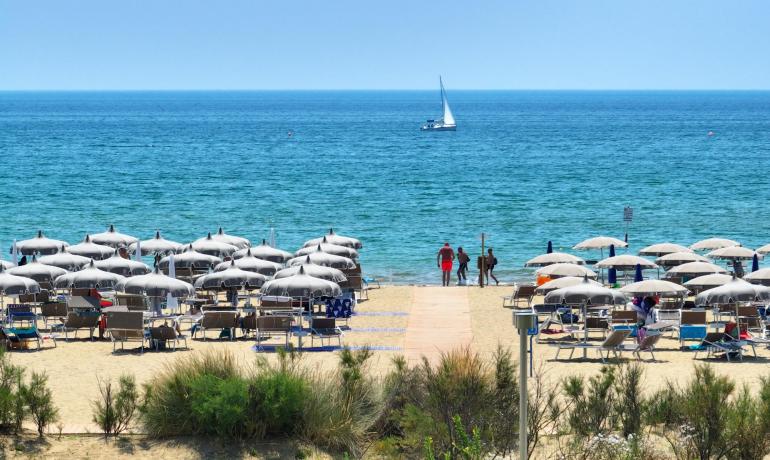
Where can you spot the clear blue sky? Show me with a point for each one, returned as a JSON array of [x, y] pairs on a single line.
[[344, 44]]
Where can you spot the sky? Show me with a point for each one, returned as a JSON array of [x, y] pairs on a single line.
[[345, 44]]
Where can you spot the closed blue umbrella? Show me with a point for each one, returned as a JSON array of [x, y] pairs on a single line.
[[754, 263], [638, 274], [550, 248], [612, 274]]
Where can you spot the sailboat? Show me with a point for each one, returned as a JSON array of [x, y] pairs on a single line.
[[445, 123]]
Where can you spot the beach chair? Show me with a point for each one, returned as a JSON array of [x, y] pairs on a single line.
[[339, 308], [719, 342], [165, 335], [325, 329], [133, 302], [20, 338], [591, 324], [20, 313], [41, 297], [624, 319], [647, 344], [612, 344], [84, 302], [748, 318], [356, 283], [275, 305], [219, 320], [692, 326], [76, 320], [522, 294], [267, 326], [126, 326], [56, 310]]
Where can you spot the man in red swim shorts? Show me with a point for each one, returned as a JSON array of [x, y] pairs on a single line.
[[444, 260]]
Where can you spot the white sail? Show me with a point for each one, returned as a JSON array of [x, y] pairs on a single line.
[[448, 118]]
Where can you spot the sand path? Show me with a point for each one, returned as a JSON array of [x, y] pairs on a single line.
[[440, 321]]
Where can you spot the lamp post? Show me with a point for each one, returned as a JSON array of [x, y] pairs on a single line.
[[523, 323]]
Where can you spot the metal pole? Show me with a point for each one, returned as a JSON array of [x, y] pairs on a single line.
[[523, 394]]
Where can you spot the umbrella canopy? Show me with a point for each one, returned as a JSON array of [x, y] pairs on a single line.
[[191, 258], [40, 245], [15, 285], [600, 242], [625, 262], [322, 258], [654, 287], [265, 252], [6, 265], [554, 258], [736, 290], [156, 245], [252, 264], [585, 293], [212, 247], [155, 284], [121, 266], [333, 249], [764, 249], [317, 271], [734, 253], [661, 249], [695, 269], [89, 277], [222, 237], [710, 244], [333, 238], [91, 250], [65, 260], [678, 258], [709, 281], [562, 269], [761, 276], [37, 271], [231, 277], [563, 282], [301, 285], [113, 238]]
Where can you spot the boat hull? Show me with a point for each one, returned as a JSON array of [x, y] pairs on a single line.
[[438, 128]]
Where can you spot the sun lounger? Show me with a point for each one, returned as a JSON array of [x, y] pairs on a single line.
[[522, 294], [719, 342], [76, 320], [166, 335], [218, 320], [692, 326], [647, 344], [125, 326], [325, 329], [134, 302], [276, 304], [267, 326], [56, 310], [612, 344], [13, 337], [20, 313]]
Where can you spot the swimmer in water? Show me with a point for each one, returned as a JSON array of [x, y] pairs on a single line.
[[291, 133], [710, 133]]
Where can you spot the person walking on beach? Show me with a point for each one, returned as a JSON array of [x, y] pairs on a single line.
[[462, 271], [444, 260], [491, 262]]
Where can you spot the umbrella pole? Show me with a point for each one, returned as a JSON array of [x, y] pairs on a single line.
[[585, 330]]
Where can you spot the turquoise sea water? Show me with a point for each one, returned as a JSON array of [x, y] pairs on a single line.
[[525, 167]]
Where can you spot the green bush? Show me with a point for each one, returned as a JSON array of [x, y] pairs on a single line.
[[39, 402], [114, 412], [219, 406], [277, 400], [12, 406]]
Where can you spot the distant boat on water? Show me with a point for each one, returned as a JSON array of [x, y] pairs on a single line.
[[447, 121]]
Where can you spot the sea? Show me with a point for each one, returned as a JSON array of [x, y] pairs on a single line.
[[523, 168]]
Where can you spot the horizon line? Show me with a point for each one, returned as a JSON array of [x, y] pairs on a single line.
[[83, 90]]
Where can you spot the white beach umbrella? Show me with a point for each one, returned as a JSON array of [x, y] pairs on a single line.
[[265, 252], [231, 277], [678, 258], [761, 276], [212, 247], [90, 249], [710, 244], [561, 269], [600, 242], [708, 281], [654, 287], [113, 238], [252, 264], [65, 260], [695, 269], [121, 266], [562, 282], [554, 258], [585, 293], [6, 265], [764, 249], [15, 285], [734, 253], [334, 238], [40, 245], [334, 249], [190, 258], [318, 271], [223, 237], [625, 262], [89, 277], [39, 272], [322, 258], [156, 284], [155, 245], [736, 290], [661, 249], [301, 285]]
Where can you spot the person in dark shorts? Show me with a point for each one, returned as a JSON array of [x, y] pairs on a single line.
[[491, 262], [444, 259], [462, 271]]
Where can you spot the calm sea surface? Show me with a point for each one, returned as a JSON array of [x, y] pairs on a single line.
[[524, 167]]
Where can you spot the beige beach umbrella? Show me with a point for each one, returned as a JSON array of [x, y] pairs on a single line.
[[265, 252], [708, 281], [156, 245], [212, 247], [40, 244], [89, 277], [736, 290], [231, 277], [678, 258], [710, 244], [15, 285], [585, 293], [155, 284], [563, 282], [301, 285], [625, 262], [65, 260], [89, 249], [322, 258], [561, 270], [318, 271], [334, 249], [334, 238], [39, 272], [121, 266], [113, 238], [553, 258], [654, 287], [222, 237], [252, 264], [734, 253], [764, 249], [695, 269], [661, 249], [6, 265], [761, 276], [600, 242], [190, 258]]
